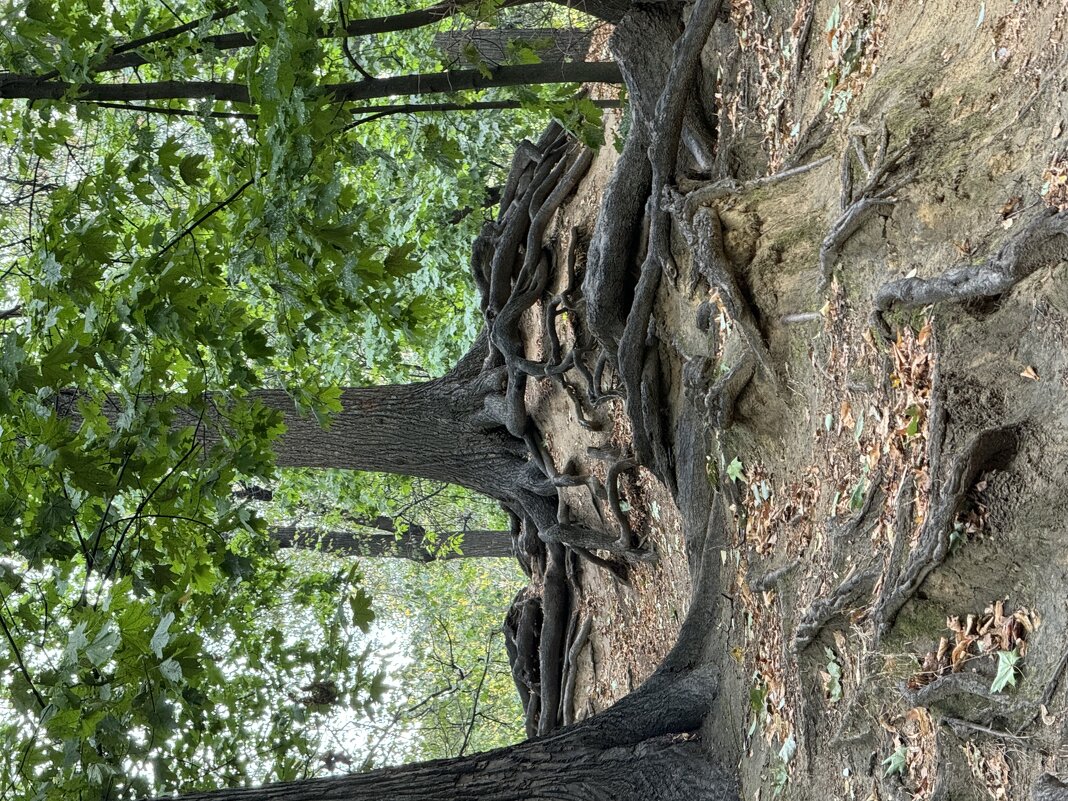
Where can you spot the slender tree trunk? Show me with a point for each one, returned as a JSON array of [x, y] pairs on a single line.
[[409, 545], [607, 10], [29, 87]]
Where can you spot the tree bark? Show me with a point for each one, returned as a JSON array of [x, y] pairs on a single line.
[[607, 10], [435, 430], [421, 430], [625, 753], [657, 770], [409, 545], [30, 87]]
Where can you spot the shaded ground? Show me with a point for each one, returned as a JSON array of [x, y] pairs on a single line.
[[846, 442]]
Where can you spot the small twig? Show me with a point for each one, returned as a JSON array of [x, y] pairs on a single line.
[[856, 205], [800, 317], [176, 112], [222, 204], [348, 54], [702, 193], [1051, 687], [958, 723]]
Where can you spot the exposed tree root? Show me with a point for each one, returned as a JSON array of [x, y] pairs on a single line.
[[858, 585], [986, 450], [1042, 243], [850, 530], [903, 522], [556, 602], [638, 357], [578, 642], [710, 263], [512, 269], [857, 204], [967, 685], [522, 627], [802, 42], [693, 194], [769, 580], [641, 44]]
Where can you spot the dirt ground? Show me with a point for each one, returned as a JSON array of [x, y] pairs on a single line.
[[833, 458]]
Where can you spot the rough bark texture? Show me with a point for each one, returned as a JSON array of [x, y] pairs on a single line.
[[409, 545], [541, 770], [29, 87], [625, 753], [429, 430]]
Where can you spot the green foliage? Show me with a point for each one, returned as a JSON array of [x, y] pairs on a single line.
[[735, 470], [896, 762], [455, 693], [163, 266], [1006, 675], [833, 683]]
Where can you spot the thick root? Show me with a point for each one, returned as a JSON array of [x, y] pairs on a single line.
[[1042, 243]]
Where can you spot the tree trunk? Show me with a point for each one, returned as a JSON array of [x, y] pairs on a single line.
[[656, 770], [607, 10], [409, 545], [30, 87], [434, 430], [419, 430], [625, 753]]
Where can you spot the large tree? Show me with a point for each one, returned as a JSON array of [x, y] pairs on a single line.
[[685, 211]]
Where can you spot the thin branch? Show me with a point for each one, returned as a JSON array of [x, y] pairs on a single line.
[[18, 656], [114, 61], [178, 112], [478, 693], [358, 27], [222, 204], [144, 502], [345, 43]]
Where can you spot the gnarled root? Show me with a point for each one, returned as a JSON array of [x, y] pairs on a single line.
[[987, 450], [857, 204], [1043, 242], [858, 585], [522, 630]]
